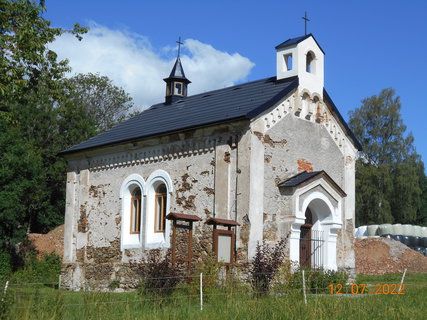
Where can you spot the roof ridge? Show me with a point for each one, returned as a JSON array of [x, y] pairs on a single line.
[[209, 92]]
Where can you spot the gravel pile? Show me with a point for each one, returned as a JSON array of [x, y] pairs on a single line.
[[52, 241], [382, 255]]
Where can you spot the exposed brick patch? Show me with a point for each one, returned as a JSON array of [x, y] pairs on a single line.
[[208, 213], [304, 165], [227, 157], [82, 224], [267, 139], [97, 191], [318, 116], [259, 135], [185, 186], [190, 203], [108, 254], [209, 191], [348, 160]]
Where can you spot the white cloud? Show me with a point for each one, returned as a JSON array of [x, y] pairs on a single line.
[[132, 63]]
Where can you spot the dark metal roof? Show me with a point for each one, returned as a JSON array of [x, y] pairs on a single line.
[[177, 71], [305, 177], [243, 101], [297, 40]]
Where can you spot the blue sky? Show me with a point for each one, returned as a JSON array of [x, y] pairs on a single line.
[[369, 45]]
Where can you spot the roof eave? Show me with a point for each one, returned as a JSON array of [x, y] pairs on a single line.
[[320, 174], [335, 111], [255, 112], [296, 43], [112, 144]]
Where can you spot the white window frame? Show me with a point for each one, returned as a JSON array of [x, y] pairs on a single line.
[[128, 239], [157, 239]]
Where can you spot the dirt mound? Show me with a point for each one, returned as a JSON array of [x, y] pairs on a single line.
[[381, 255], [52, 241]]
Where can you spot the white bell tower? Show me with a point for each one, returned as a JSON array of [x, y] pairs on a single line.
[[302, 57]]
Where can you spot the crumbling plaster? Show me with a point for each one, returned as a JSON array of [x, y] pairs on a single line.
[[229, 171]]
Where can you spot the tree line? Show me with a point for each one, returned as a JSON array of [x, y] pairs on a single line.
[[42, 112]]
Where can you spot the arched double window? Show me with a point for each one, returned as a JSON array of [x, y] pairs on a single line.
[[144, 207]]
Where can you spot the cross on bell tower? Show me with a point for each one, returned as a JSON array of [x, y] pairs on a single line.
[[176, 83], [306, 19], [179, 46]]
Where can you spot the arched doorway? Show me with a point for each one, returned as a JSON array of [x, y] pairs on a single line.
[[305, 240], [316, 217], [312, 238]]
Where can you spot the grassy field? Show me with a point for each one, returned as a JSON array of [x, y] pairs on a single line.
[[233, 302]]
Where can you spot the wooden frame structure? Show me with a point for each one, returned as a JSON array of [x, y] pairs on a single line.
[[215, 222], [190, 219]]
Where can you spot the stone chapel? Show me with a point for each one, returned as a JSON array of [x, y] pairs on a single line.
[[215, 174]]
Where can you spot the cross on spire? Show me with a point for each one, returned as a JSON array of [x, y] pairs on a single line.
[[179, 46], [305, 18]]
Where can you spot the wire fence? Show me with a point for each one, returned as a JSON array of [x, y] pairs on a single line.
[[194, 291]]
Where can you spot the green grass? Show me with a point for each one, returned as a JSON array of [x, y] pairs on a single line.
[[235, 302]]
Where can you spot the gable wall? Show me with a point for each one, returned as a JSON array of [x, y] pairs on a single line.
[[294, 145]]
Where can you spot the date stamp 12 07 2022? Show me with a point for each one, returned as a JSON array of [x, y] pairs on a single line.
[[361, 288]]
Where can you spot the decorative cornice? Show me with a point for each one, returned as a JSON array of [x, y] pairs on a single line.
[[309, 107], [159, 153]]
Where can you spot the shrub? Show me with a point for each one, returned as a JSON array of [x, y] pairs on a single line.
[[114, 284], [159, 277], [44, 271], [264, 265], [5, 265], [316, 280], [319, 280]]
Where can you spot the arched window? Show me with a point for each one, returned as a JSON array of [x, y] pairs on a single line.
[[159, 189], [160, 200], [310, 62], [178, 89], [135, 214], [132, 206]]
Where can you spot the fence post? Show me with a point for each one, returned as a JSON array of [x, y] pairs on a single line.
[[59, 282], [201, 291], [303, 287], [403, 277], [5, 290]]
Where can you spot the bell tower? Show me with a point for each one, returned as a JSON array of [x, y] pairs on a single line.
[[176, 83], [302, 57]]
